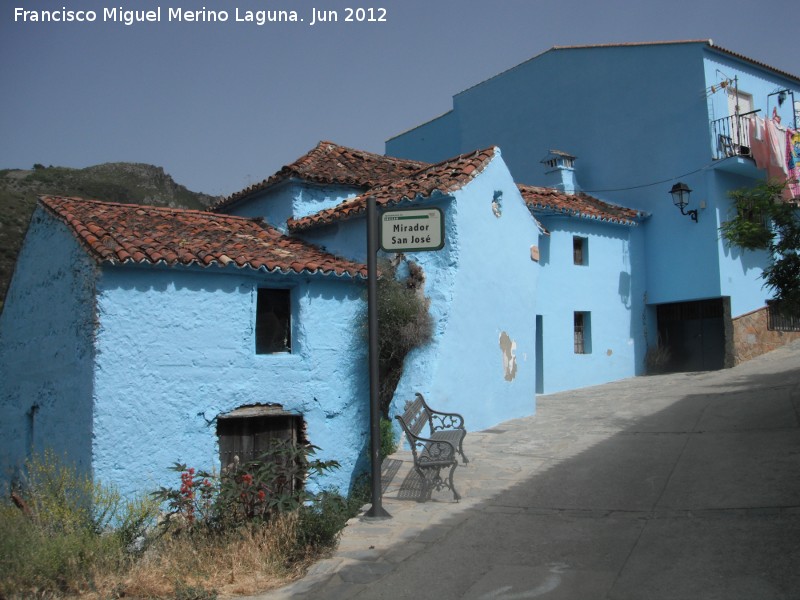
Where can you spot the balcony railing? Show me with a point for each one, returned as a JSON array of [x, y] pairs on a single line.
[[731, 135]]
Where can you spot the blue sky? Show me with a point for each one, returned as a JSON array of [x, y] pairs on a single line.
[[224, 105]]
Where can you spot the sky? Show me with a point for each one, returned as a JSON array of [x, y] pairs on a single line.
[[222, 105]]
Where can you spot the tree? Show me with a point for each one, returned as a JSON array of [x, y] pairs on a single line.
[[764, 220]]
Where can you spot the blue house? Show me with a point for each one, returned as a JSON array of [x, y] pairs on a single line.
[[589, 326], [643, 118], [134, 336], [481, 285]]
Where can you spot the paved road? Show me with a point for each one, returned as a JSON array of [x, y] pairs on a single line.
[[682, 486]]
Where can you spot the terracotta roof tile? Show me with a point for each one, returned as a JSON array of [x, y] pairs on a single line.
[[331, 163], [444, 177], [129, 233], [540, 199]]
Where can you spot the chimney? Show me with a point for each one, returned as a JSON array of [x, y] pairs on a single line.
[[560, 172]]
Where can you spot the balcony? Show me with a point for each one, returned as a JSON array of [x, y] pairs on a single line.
[[731, 135]]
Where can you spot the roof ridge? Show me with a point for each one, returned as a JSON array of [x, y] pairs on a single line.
[[119, 233], [304, 168], [398, 190]]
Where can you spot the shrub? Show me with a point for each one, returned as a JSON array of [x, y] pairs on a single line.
[[388, 438], [404, 323], [243, 492], [72, 528]]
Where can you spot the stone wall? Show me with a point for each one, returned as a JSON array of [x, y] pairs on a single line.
[[751, 337]]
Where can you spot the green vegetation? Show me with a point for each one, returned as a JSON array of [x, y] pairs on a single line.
[[65, 530], [764, 221], [249, 529], [404, 323], [116, 182]]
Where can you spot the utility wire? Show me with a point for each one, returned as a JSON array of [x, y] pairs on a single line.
[[644, 185]]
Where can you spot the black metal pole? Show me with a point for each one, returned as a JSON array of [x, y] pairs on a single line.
[[377, 509]]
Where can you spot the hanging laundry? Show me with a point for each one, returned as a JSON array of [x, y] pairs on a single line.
[[776, 141], [759, 148], [793, 162]]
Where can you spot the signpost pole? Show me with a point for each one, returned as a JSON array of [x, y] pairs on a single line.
[[377, 510]]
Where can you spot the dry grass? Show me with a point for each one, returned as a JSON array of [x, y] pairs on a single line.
[[242, 563]]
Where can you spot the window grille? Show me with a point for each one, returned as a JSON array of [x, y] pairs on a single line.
[[580, 340], [778, 320]]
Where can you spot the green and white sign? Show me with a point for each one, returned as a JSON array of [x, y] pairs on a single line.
[[412, 230]]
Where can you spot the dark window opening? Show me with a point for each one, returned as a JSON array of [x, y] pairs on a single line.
[[582, 327], [273, 321], [580, 250]]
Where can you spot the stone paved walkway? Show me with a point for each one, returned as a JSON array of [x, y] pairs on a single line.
[[672, 486]]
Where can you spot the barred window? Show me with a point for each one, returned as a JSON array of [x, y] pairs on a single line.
[[780, 320], [582, 332]]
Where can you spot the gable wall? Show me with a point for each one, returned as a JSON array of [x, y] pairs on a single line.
[[610, 286], [480, 285], [482, 362], [291, 199], [176, 348], [46, 332]]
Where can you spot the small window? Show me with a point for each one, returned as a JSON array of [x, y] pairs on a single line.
[[580, 250], [583, 332], [273, 321]]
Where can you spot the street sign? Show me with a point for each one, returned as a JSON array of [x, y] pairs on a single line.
[[412, 230]]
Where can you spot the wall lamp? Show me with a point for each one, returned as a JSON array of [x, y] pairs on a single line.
[[680, 197]]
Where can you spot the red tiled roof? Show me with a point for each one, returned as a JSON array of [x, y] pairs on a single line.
[[130, 233], [444, 177], [330, 163], [578, 205]]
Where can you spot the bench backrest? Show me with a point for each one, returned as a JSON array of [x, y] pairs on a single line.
[[415, 415]]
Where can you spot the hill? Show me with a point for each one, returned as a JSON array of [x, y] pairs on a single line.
[[117, 182]]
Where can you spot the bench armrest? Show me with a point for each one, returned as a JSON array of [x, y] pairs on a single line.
[[442, 420], [426, 449]]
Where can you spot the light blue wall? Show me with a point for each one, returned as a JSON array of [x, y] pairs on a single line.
[[638, 120], [46, 332], [610, 286], [740, 271], [488, 292], [628, 116], [431, 142], [480, 285], [291, 198], [176, 349]]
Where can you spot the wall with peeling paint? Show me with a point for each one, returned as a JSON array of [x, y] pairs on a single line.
[[481, 285], [46, 354], [610, 286]]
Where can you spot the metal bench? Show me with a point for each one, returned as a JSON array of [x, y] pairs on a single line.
[[439, 450]]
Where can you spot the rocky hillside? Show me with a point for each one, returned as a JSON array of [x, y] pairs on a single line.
[[117, 182]]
